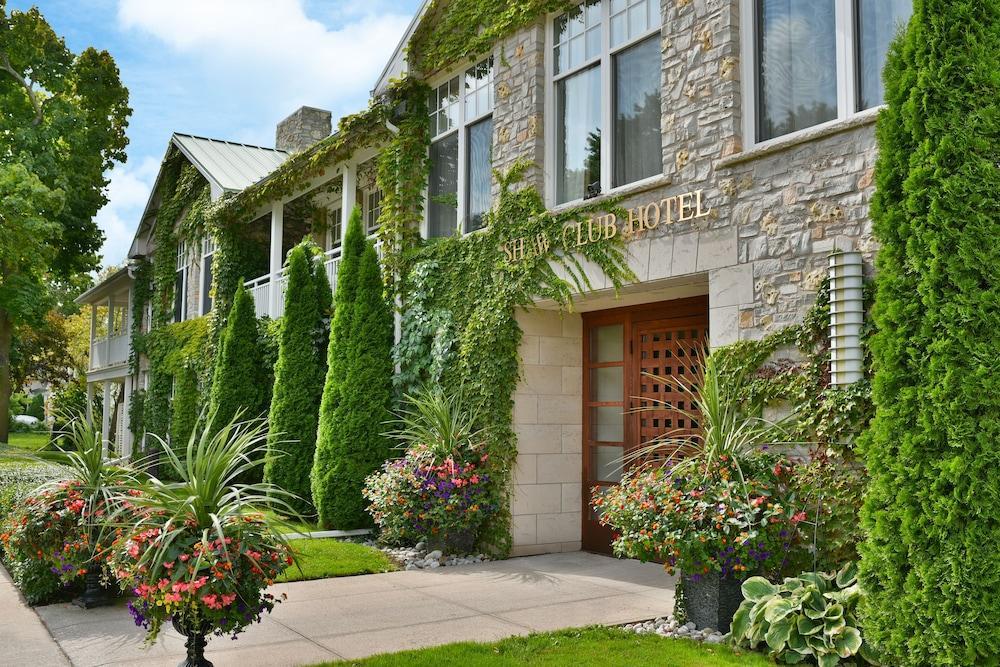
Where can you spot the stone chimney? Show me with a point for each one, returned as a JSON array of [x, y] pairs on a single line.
[[303, 128]]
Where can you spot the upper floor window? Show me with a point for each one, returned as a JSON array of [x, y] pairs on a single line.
[[372, 209], [207, 256], [334, 228], [461, 124], [606, 67], [818, 61], [181, 283]]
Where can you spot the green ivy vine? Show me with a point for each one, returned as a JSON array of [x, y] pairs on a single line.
[[459, 323], [451, 31]]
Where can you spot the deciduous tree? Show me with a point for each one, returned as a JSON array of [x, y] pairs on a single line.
[[61, 129]]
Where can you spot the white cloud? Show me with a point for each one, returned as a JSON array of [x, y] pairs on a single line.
[[127, 194], [274, 46]]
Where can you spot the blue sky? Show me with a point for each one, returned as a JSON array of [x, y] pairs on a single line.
[[228, 69]]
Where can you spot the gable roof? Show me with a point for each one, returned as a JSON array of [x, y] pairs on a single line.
[[397, 64], [226, 165]]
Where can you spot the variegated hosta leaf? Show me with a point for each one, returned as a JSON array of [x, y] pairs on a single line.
[[756, 588], [777, 609], [848, 642], [808, 627], [777, 635], [847, 575]]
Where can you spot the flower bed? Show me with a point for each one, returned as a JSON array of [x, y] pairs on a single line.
[[735, 520], [414, 498]]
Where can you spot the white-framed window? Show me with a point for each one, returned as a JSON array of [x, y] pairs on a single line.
[[605, 61], [208, 248], [461, 124], [810, 63], [181, 283], [334, 228], [371, 209]]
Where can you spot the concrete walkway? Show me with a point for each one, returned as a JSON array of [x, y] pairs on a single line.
[[23, 638], [353, 617]]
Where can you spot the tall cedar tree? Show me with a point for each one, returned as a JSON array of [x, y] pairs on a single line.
[[298, 377], [930, 565], [237, 382], [358, 392], [62, 127]]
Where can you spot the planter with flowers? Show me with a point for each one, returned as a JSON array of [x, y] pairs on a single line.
[[199, 556], [64, 523], [713, 505], [441, 490]]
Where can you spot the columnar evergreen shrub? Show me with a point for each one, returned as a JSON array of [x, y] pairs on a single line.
[[238, 383], [358, 391], [185, 406], [298, 381], [930, 565]]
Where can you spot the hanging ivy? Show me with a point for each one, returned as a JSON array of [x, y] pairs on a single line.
[[463, 331], [451, 31]]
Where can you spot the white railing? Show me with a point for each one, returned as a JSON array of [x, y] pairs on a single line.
[[269, 304], [260, 292], [109, 351], [332, 265]]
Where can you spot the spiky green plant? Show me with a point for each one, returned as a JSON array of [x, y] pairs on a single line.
[[437, 424], [206, 533], [727, 425]]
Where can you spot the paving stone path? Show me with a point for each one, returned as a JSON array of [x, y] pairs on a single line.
[[353, 617]]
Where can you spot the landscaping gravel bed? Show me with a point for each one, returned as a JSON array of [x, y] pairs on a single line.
[[418, 558], [669, 627]]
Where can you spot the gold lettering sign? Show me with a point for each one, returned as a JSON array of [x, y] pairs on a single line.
[[642, 218]]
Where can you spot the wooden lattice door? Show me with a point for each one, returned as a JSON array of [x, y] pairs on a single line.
[[621, 347], [670, 353]]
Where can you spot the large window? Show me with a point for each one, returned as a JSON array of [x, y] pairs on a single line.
[[461, 124], [207, 257], [180, 283], [606, 66], [816, 61], [878, 22]]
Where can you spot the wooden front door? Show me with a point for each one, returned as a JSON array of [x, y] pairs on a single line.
[[620, 346]]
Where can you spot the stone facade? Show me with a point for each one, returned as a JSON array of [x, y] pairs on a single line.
[[546, 504], [777, 212], [303, 128]]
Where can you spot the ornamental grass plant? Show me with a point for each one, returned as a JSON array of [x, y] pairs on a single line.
[[64, 523], [441, 489], [199, 552]]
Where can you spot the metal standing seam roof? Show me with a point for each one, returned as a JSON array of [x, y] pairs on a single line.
[[230, 165]]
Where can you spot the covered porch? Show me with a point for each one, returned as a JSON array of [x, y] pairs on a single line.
[[108, 373], [322, 211]]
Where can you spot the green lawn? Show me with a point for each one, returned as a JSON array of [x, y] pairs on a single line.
[[571, 648], [293, 525], [32, 441], [327, 557]]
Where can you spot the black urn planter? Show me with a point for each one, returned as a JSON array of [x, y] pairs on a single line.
[[711, 601], [94, 595], [197, 640]]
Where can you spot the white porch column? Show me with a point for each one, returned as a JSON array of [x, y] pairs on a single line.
[[277, 260], [126, 435], [93, 334], [349, 196], [90, 403], [108, 331], [106, 416]]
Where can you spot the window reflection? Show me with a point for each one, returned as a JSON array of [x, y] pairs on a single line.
[[878, 23], [638, 152], [797, 63], [578, 135]]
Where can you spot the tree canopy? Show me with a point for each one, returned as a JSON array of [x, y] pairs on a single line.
[[62, 127]]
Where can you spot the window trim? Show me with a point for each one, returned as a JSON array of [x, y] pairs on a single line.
[[462, 129], [606, 62], [208, 248], [848, 77], [328, 239]]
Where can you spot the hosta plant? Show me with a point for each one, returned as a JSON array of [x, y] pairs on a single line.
[[806, 618], [200, 553]]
